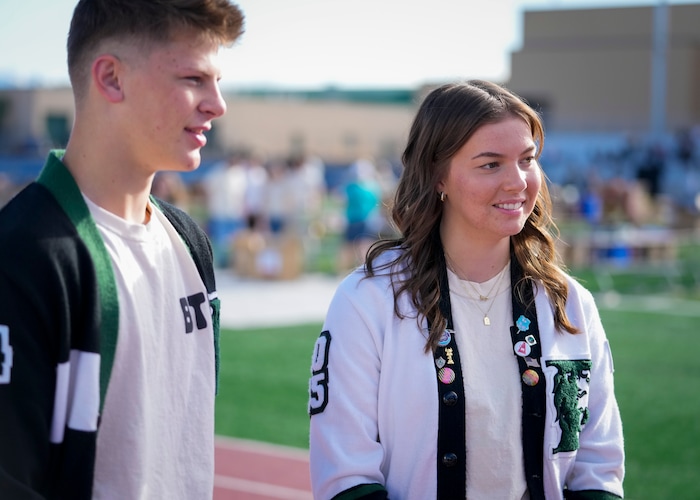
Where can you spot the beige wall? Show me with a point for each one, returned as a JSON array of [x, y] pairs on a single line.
[[579, 92], [337, 131], [26, 113], [18, 120], [269, 127], [684, 84]]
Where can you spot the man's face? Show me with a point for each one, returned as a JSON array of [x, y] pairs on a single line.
[[171, 96]]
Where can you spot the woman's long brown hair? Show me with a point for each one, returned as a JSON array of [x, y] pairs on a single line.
[[445, 121]]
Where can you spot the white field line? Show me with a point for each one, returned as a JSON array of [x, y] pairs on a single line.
[[264, 489], [275, 450]]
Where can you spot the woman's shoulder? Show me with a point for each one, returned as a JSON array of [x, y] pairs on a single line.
[[578, 289], [581, 306], [578, 296], [385, 269]]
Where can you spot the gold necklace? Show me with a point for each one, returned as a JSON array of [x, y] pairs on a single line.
[[487, 320], [481, 298], [486, 297]]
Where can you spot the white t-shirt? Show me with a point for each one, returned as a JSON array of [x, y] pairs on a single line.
[[156, 436], [493, 396]]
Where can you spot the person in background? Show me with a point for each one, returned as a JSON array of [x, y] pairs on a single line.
[[225, 188], [305, 181], [257, 178], [278, 198], [109, 319], [363, 196], [462, 361]]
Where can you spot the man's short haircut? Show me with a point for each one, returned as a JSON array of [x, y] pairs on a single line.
[[143, 21]]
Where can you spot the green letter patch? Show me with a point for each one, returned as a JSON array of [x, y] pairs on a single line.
[[567, 395]]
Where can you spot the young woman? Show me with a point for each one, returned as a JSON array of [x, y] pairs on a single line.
[[462, 361]]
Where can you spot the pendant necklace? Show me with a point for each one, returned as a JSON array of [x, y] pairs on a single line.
[[483, 298], [480, 297]]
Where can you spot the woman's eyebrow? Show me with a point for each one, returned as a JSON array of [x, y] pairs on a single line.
[[490, 154]]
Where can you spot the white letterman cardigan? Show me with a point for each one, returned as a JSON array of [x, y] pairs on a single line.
[[375, 411]]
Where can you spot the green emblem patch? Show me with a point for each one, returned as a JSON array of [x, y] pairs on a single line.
[[567, 395]]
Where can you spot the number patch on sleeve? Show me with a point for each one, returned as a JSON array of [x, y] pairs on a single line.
[[318, 384]]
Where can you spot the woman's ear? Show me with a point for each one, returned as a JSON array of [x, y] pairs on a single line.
[[106, 74], [440, 187]]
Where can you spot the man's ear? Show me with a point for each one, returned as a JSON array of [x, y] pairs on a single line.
[[106, 74]]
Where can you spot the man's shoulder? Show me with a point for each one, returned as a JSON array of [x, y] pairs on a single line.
[[36, 234], [195, 238], [184, 224], [32, 209], [178, 217]]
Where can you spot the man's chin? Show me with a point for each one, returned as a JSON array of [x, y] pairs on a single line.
[[192, 162]]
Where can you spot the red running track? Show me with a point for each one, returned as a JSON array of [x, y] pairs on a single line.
[[247, 470]]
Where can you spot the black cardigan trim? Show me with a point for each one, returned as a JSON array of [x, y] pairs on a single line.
[[451, 447], [58, 180], [534, 406], [202, 255], [451, 444]]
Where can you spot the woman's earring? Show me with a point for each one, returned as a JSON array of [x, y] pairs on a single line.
[[442, 196]]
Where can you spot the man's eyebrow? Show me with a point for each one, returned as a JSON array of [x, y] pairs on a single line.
[[201, 70]]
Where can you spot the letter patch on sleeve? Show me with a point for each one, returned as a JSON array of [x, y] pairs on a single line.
[[5, 355], [318, 384], [570, 393]]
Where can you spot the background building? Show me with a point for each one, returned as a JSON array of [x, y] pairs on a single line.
[[590, 70], [338, 126]]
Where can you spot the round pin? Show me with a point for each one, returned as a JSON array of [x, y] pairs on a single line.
[[446, 375], [531, 378], [445, 339], [522, 349]]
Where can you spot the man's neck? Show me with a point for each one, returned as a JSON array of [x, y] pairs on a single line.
[[109, 182]]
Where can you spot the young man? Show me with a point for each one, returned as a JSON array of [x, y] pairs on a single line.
[[108, 307]]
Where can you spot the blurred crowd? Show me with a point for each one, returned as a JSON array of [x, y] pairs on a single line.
[[268, 219], [272, 219], [637, 182], [633, 203], [275, 219]]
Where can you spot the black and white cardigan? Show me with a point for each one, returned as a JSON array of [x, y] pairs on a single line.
[[59, 316]]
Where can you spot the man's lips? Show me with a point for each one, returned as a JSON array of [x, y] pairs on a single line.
[[198, 133]]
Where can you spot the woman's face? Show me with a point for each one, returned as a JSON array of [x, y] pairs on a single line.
[[491, 183]]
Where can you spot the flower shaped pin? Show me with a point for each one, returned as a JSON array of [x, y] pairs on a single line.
[[523, 323]]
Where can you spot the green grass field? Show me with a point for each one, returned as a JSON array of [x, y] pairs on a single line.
[[264, 375]]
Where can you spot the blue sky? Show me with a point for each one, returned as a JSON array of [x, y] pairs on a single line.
[[316, 43]]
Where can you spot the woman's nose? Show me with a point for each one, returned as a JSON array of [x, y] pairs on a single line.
[[516, 178]]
